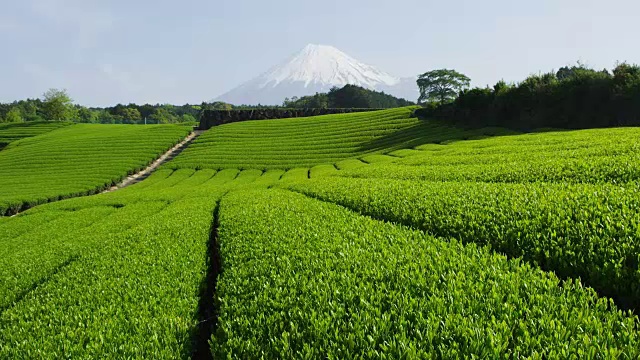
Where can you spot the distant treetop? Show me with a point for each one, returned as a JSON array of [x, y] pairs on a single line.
[[349, 96]]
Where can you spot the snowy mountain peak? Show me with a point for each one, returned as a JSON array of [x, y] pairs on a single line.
[[318, 47], [328, 66], [316, 68]]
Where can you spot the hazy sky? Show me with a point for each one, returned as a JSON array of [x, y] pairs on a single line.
[[105, 52]]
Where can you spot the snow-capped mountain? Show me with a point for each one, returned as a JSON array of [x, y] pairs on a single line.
[[317, 68]]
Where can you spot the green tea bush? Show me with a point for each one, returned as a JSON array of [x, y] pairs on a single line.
[[78, 160], [307, 279]]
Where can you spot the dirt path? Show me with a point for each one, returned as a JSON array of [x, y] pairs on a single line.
[[143, 174], [170, 154]]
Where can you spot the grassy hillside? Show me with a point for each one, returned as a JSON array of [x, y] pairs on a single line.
[[302, 142], [16, 131], [77, 159], [368, 236], [296, 142], [304, 270], [583, 156], [305, 279], [127, 267]]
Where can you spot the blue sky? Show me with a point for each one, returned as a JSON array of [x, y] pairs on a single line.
[[106, 52]]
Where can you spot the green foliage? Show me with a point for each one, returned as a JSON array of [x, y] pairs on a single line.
[[112, 276], [217, 105], [16, 131], [578, 231], [57, 105], [163, 116], [13, 116], [573, 97], [187, 118], [28, 110], [441, 85], [128, 115], [212, 118], [584, 156], [317, 101], [87, 116], [301, 142], [105, 117], [349, 96], [117, 275], [307, 279], [77, 160], [130, 273]]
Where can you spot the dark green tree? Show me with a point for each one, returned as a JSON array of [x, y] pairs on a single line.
[[146, 110], [219, 105], [105, 117], [14, 115], [188, 118], [163, 116], [441, 85], [129, 115], [349, 96], [86, 115], [57, 105]]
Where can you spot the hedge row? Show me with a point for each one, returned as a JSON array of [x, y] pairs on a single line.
[[576, 230], [120, 275], [78, 160], [211, 118], [304, 279], [302, 142]]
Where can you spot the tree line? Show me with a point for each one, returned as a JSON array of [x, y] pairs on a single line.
[[57, 105], [573, 97]]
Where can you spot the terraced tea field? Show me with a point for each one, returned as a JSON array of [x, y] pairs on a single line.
[[372, 235], [16, 131], [77, 160], [305, 142]]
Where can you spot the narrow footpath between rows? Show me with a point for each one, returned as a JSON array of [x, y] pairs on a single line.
[[143, 174], [170, 154]]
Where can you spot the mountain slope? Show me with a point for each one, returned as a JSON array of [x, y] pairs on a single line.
[[302, 142], [316, 68]]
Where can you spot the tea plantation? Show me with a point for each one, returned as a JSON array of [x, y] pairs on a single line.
[[373, 235], [76, 160], [15, 131]]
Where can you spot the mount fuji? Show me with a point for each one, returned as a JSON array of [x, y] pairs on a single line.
[[317, 68]]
